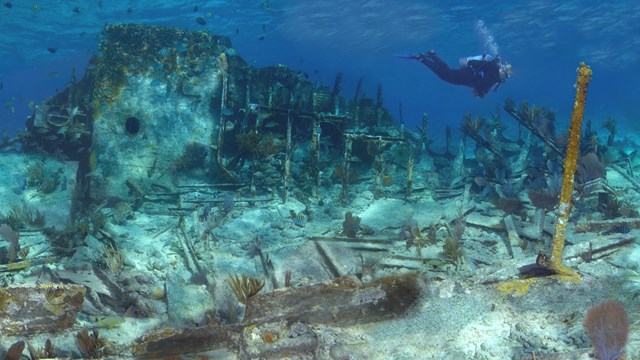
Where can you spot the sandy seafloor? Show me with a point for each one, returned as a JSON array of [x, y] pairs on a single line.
[[459, 315]]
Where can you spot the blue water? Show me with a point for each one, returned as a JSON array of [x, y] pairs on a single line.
[[544, 40]]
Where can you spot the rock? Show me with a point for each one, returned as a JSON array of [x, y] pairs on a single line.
[[187, 304], [41, 308]]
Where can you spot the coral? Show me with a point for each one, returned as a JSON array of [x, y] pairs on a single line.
[[15, 351], [268, 146], [12, 237], [64, 242], [608, 328], [612, 207], [114, 259], [512, 206], [516, 287], [248, 142], [351, 224], [37, 177], [262, 146], [452, 249], [46, 352], [245, 287], [386, 180], [35, 174], [193, 156], [129, 49], [19, 217], [543, 199], [90, 345]]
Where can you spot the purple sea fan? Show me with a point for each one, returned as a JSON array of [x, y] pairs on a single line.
[[608, 328]]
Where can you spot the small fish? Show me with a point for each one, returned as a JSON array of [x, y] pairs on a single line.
[[8, 5], [270, 124], [36, 7], [129, 10], [229, 126], [237, 31], [195, 8], [201, 21], [299, 220], [52, 50], [109, 322], [1, 85], [227, 112], [622, 229], [52, 74], [77, 10], [100, 4], [261, 37]]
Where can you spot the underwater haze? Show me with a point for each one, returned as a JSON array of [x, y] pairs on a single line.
[[543, 40], [307, 179]]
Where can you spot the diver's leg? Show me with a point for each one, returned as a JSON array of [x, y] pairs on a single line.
[[444, 72], [432, 55], [438, 66]]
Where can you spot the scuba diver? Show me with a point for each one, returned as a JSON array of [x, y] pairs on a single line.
[[478, 72]]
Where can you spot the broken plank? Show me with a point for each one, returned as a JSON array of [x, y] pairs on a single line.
[[169, 341], [598, 225], [345, 301], [356, 239], [331, 267]]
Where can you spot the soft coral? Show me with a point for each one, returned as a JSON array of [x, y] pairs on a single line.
[[608, 328]]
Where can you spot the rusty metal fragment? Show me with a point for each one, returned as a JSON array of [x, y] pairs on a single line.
[[169, 341], [273, 325], [277, 341], [345, 301], [40, 308]]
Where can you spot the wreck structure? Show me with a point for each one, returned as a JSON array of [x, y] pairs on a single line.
[[162, 108]]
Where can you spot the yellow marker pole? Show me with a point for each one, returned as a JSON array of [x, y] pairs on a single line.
[[570, 164]]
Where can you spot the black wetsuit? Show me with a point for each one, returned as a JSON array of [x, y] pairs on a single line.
[[481, 75]]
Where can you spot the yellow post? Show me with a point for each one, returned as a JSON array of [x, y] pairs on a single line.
[[570, 164]]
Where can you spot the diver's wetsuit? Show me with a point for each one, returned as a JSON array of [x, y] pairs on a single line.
[[481, 75]]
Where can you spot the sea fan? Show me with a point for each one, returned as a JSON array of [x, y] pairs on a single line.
[[608, 328]]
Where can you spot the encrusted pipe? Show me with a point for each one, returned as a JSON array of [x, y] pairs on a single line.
[[424, 132], [315, 149], [335, 94], [287, 159], [346, 164], [570, 164], [409, 172], [224, 67], [356, 105], [379, 106]]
